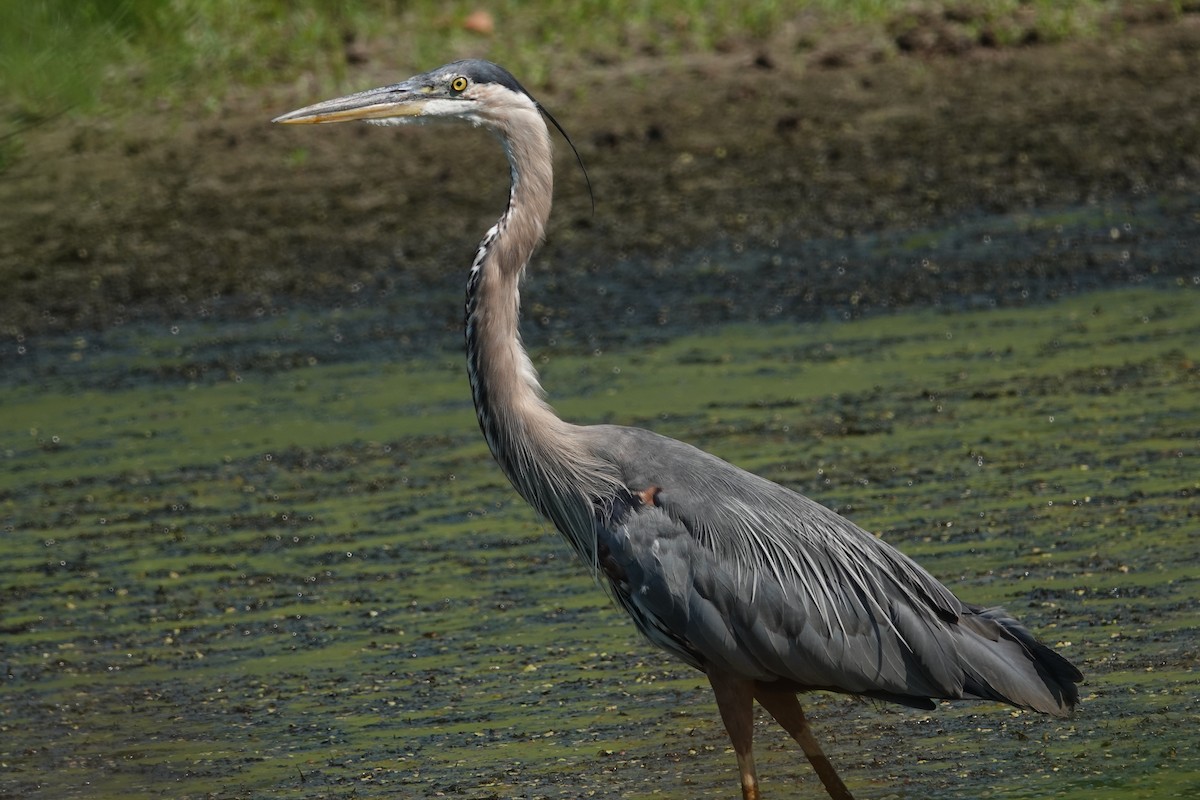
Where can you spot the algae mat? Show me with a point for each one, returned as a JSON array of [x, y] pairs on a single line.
[[235, 568]]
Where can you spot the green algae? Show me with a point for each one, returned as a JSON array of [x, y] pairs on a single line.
[[309, 580]]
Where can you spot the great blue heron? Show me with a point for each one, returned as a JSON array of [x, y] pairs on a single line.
[[765, 591]]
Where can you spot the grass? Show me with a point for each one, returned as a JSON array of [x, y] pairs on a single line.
[[108, 57], [60, 54]]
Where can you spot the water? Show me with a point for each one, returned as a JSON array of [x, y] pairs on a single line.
[[273, 558]]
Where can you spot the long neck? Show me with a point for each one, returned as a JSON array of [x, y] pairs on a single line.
[[545, 458]]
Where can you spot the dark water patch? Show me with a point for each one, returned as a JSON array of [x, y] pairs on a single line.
[[1003, 260]]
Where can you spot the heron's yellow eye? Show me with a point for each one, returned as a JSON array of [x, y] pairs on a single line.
[[458, 84]]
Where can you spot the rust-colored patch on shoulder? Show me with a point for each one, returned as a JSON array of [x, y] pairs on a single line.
[[649, 495]]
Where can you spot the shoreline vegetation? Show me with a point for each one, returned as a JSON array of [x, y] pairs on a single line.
[[102, 56], [141, 173]]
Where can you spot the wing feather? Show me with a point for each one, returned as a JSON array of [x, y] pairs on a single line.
[[728, 569]]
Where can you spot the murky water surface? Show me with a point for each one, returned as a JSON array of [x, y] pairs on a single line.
[[273, 559]]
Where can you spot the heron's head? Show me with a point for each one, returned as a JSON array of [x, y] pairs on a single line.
[[477, 91]]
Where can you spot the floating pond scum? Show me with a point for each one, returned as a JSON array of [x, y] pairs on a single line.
[[234, 567]]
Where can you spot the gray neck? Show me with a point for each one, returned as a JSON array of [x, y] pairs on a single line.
[[546, 459]]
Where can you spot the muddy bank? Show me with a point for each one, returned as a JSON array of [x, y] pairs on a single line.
[[803, 173]]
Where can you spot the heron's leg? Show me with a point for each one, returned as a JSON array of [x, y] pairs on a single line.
[[735, 700], [785, 708]]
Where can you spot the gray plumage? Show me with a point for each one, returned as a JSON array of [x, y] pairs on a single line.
[[729, 569], [766, 591]]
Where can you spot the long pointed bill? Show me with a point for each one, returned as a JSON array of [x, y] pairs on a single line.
[[388, 102]]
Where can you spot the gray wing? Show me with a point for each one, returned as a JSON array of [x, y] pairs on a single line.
[[724, 568]]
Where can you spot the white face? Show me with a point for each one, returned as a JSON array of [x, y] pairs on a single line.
[[440, 107], [435, 109]]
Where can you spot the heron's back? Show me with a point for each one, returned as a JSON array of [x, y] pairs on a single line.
[[725, 568]]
